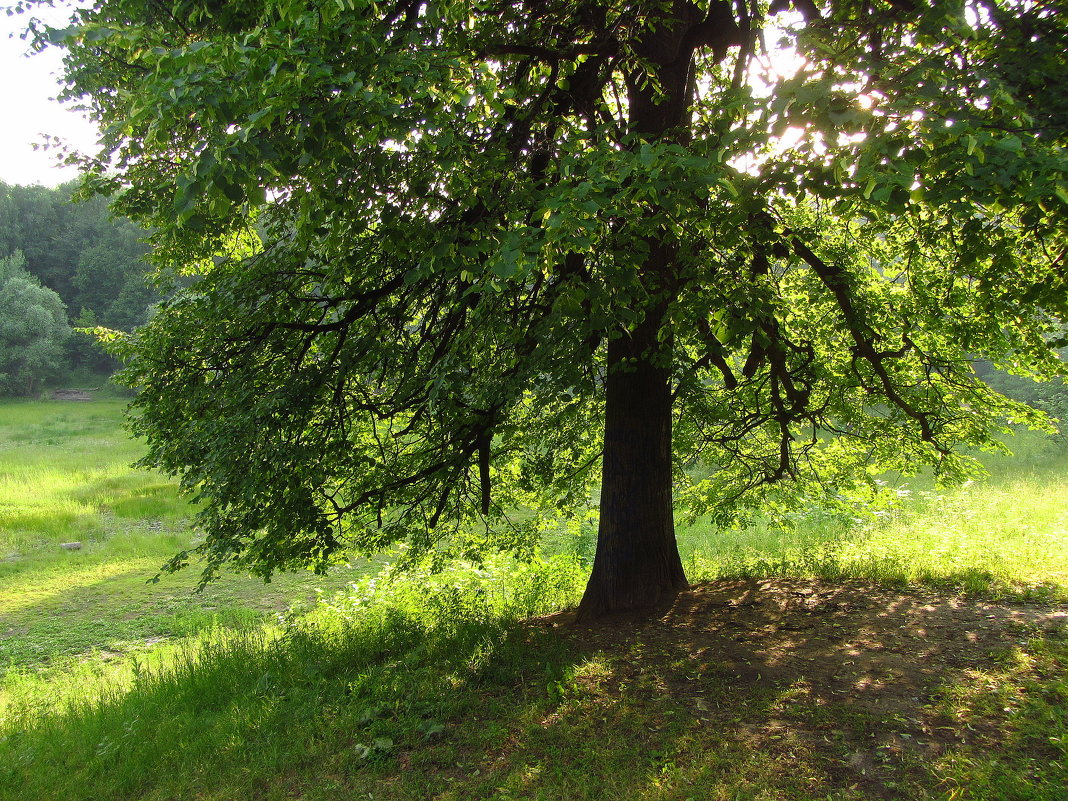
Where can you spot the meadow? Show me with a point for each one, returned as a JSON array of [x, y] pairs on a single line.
[[66, 477], [916, 653]]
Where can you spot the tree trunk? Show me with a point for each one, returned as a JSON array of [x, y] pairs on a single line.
[[637, 564]]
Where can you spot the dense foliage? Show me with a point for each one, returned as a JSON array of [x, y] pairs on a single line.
[[435, 243], [94, 262], [79, 250], [33, 329]]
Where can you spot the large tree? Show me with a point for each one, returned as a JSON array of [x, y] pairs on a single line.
[[450, 255]]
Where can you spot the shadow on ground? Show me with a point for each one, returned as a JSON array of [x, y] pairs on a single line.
[[763, 689]]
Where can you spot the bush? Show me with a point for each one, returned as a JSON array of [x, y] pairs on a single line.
[[33, 330]]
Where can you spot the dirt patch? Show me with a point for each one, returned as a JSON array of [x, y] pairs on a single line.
[[850, 672], [71, 395], [852, 637]]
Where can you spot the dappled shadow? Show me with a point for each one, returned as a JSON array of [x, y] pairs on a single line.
[[847, 673], [743, 689], [765, 688]]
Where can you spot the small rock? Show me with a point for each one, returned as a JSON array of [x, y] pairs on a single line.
[[71, 546]]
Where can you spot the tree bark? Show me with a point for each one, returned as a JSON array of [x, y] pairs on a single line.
[[637, 564]]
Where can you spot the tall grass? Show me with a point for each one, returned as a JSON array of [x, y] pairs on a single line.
[[1004, 536], [378, 668]]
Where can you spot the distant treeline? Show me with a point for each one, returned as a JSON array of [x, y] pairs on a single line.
[[64, 265], [1049, 396]]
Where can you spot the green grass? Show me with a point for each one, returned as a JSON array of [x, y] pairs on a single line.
[[66, 476], [434, 687], [1005, 536], [248, 711], [1029, 686]]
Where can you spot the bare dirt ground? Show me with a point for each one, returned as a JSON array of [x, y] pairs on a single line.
[[856, 671]]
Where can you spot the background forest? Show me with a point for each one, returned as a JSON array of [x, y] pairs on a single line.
[[64, 266]]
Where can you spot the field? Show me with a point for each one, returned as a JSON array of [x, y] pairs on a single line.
[[917, 653], [65, 476]]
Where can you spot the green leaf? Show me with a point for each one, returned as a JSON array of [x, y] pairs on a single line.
[[231, 190]]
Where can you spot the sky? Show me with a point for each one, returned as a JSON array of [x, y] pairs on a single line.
[[27, 112]]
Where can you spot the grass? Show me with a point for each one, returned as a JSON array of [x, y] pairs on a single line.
[[399, 697], [378, 672], [1003, 537], [443, 687], [66, 476], [1029, 686]]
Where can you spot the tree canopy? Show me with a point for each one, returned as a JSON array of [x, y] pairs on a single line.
[[92, 260], [33, 329], [447, 258]]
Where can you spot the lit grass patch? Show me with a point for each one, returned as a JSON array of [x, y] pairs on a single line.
[[1006, 536], [59, 612], [65, 475], [31, 590]]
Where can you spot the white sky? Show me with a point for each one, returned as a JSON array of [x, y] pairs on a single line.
[[27, 112]]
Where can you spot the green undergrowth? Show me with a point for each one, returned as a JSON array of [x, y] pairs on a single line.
[[1026, 757], [1005, 536], [442, 687]]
